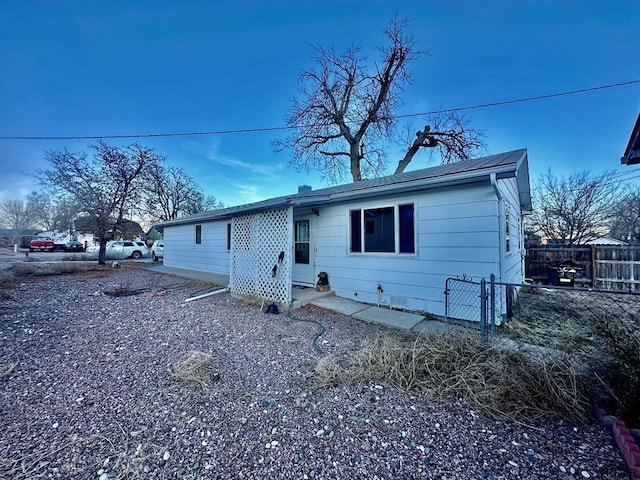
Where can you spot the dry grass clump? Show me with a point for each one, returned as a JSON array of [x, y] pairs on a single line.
[[600, 329], [489, 374], [621, 336], [25, 269], [196, 369]]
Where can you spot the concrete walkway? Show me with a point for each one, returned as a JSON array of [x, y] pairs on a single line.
[[302, 296]]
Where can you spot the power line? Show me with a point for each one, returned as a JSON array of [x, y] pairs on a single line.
[[526, 99], [273, 129]]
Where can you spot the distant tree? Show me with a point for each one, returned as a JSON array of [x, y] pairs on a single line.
[[211, 203], [105, 186], [171, 194], [17, 215], [575, 208], [347, 107], [41, 210], [65, 211], [626, 216]]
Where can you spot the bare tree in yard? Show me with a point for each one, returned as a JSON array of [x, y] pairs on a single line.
[[346, 113], [575, 208], [172, 193], [17, 215], [106, 186], [626, 216]]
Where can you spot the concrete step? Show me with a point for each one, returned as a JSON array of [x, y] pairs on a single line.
[[392, 318]]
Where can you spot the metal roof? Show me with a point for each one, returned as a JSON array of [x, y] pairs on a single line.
[[514, 162]]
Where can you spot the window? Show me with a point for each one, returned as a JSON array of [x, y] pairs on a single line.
[[379, 230], [507, 228], [356, 234], [383, 230], [302, 241], [198, 234], [407, 235], [228, 236]]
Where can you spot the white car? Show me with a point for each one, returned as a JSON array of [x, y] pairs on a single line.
[[127, 249], [157, 250]]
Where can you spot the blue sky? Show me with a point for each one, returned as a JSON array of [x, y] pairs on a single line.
[[74, 68]]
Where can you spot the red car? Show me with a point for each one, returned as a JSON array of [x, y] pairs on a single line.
[[42, 243]]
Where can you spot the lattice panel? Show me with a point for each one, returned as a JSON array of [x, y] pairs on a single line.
[[258, 240]]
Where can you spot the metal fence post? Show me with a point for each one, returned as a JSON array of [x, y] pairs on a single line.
[[483, 305], [493, 303]]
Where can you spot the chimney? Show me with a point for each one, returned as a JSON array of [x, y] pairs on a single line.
[[304, 188]]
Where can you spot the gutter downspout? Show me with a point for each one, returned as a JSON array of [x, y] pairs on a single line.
[[494, 184]]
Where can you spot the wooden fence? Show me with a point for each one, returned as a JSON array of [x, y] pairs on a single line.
[[603, 266]]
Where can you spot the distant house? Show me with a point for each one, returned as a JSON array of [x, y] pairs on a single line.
[[605, 241], [632, 152], [402, 235]]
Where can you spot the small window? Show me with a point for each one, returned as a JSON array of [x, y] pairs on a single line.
[[228, 236], [507, 228], [198, 234]]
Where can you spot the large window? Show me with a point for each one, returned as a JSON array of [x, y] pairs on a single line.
[[198, 234], [302, 241], [383, 230]]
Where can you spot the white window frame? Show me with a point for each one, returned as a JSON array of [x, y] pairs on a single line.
[[396, 229]]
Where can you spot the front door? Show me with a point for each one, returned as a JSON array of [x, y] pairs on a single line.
[[303, 261]]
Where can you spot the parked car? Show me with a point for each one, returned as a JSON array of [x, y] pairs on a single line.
[[73, 246], [42, 243], [126, 249], [157, 250]]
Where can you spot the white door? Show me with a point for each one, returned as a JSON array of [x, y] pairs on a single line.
[[303, 261]]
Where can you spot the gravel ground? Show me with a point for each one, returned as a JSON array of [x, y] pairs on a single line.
[[91, 396]]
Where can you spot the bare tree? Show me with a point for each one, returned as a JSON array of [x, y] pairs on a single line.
[[171, 193], [41, 210], [575, 208], [346, 113], [16, 215], [626, 216], [106, 186]]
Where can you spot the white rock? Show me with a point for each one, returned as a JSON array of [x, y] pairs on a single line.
[[585, 474], [320, 432], [166, 455], [55, 425]]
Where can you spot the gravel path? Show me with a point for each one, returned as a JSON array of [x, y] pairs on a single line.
[[91, 396]]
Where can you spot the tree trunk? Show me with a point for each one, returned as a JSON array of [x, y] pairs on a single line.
[[354, 157]]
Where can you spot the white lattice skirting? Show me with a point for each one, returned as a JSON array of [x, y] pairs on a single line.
[[258, 241]]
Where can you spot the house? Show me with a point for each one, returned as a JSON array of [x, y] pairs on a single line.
[[610, 241], [397, 237], [632, 152]]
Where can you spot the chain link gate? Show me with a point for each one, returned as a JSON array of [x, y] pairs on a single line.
[[474, 303]]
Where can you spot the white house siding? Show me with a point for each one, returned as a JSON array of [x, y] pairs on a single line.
[[512, 271], [211, 255], [457, 233]]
